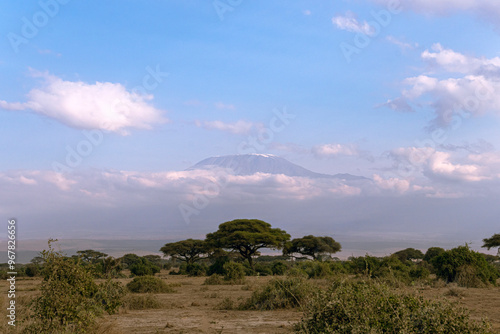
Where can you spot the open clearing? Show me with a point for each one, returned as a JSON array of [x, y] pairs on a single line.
[[194, 307]]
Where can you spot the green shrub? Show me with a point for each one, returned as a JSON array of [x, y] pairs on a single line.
[[368, 307], [317, 269], [234, 271], [297, 272], [218, 266], [432, 253], [465, 266], [419, 272], [69, 298], [279, 268], [110, 295], [264, 269], [226, 304], [32, 270], [144, 267], [280, 293], [149, 284], [363, 265], [195, 269], [141, 302], [215, 279]]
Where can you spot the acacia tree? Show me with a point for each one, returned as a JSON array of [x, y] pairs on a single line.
[[492, 242], [91, 256], [247, 236], [190, 250], [409, 254], [312, 246]]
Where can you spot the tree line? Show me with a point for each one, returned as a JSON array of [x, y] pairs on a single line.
[[246, 237]]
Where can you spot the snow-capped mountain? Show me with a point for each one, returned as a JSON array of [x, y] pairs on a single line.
[[248, 164]]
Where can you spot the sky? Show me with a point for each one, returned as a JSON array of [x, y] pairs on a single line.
[[104, 104]]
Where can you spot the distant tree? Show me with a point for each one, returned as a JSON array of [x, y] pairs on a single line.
[[432, 253], [492, 242], [312, 246], [453, 263], [247, 236], [144, 268], [130, 259], [155, 259], [190, 250], [409, 254], [91, 256]]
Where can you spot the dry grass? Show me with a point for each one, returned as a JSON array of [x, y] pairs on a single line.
[[196, 308]]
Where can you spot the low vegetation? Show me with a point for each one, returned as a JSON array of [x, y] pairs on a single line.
[[371, 307], [280, 294], [149, 284], [364, 294]]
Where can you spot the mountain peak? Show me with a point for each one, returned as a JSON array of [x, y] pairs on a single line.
[[249, 164]]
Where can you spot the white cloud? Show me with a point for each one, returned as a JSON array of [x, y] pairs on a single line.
[[333, 150], [445, 166], [474, 93], [452, 61], [240, 127], [485, 8], [394, 184], [307, 12], [103, 105], [440, 165], [350, 23]]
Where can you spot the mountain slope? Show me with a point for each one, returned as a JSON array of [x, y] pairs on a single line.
[[248, 164]]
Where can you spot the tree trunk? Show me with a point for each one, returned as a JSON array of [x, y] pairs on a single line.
[[250, 261]]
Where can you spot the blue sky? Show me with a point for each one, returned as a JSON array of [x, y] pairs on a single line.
[[164, 84]]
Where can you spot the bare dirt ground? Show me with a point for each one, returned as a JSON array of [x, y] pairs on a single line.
[[195, 308]]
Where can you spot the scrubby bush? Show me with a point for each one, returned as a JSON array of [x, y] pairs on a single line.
[[149, 284], [143, 267], [409, 254], [263, 269], [368, 307], [215, 279], [110, 295], [141, 302], [432, 253], [317, 269], [217, 267], [419, 272], [465, 266], [297, 272], [32, 270], [363, 265], [196, 269], [69, 298], [234, 271], [279, 268], [280, 293]]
